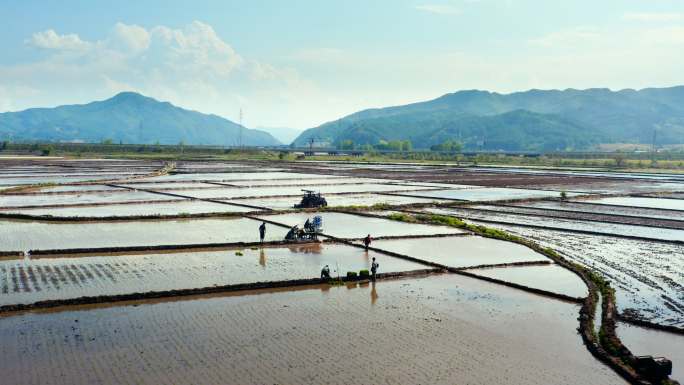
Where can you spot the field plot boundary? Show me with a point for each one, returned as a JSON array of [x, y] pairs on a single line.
[[590, 212], [466, 207], [91, 300], [587, 232]]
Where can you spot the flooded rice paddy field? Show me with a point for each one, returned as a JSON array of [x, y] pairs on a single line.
[[172, 207], [22, 235], [642, 341], [579, 215], [461, 251], [647, 276], [568, 224], [349, 226], [284, 203], [553, 278], [654, 203], [587, 207], [231, 192], [7, 201], [442, 329], [488, 194], [35, 279]]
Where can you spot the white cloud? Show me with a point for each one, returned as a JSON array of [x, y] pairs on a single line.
[[568, 37], [653, 17], [440, 9], [131, 38], [51, 40]]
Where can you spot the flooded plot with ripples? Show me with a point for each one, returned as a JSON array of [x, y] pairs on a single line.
[[32, 280], [7, 201], [228, 192], [569, 224], [647, 275], [461, 251], [354, 226], [229, 176], [442, 327], [338, 200], [655, 203], [489, 194], [553, 278], [651, 342], [28, 235], [179, 207]]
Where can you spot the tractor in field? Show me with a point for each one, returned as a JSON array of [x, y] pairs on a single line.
[[311, 199]]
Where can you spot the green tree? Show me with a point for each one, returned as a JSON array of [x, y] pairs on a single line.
[[346, 144], [107, 141]]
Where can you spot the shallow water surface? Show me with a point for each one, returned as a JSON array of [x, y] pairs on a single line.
[[553, 278], [442, 329], [461, 251], [26, 235], [31, 280], [356, 226]]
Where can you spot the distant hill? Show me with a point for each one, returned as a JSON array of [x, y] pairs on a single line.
[[130, 118], [531, 120]]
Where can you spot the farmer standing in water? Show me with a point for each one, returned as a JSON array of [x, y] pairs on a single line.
[[262, 231], [374, 269], [367, 241]]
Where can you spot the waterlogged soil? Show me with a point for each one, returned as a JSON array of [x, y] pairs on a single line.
[[437, 330], [31, 235], [461, 251], [647, 276], [488, 194], [568, 224], [137, 209], [307, 182], [8, 201], [231, 193], [168, 186], [651, 342], [605, 209], [583, 216], [354, 226], [232, 176], [553, 278], [338, 200], [79, 188], [57, 179], [32, 280], [656, 203]]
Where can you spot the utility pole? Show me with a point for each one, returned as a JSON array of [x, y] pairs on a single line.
[[653, 146], [240, 137]]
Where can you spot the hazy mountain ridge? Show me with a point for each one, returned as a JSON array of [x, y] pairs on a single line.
[[580, 117], [130, 118]]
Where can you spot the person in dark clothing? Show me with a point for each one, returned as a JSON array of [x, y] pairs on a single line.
[[262, 232], [325, 272], [374, 269], [367, 241]]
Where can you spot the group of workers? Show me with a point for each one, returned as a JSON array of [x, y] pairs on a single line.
[[325, 272]]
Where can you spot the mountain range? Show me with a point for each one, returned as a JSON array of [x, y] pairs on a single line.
[[532, 120], [127, 117]]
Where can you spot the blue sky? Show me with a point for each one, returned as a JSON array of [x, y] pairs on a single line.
[[300, 63]]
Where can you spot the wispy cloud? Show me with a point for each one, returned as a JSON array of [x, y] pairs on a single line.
[[653, 17], [567, 37], [50, 39], [440, 9]]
